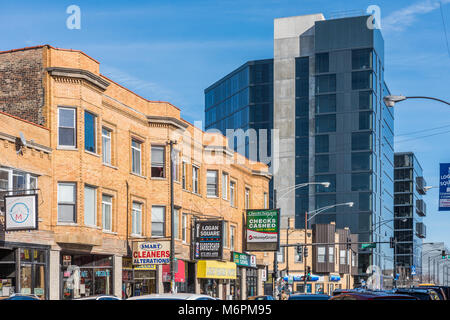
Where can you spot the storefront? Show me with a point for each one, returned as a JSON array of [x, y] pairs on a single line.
[[86, 275], [235, 286], [137, 280], [180, 276], [247, 262], [211, 275], [24, 269]]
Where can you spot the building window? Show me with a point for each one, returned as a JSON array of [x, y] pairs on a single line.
[[326, 123], [232, 237], [136, 156], [90, 132], [322, 62], [366, 120], [183, 175], [211, 183], [225, 186], [67, 199], [322, 163], [321, 254], [361, 80], [266, 200], [326, 103], [184, 226], [176, 218], [225, 234], [158, 162], [107, 212], [361, 182], [66, 127], [326, 83], [365, 100], [136, 219], [342, 258], [106, 145], [331, 254], [361, 141], [233, 193], [195, 187], [247, 198], [90, 206], [322, 143], [158, 221], [361, 59]]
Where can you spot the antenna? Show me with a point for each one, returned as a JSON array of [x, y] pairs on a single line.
[[22, 138]]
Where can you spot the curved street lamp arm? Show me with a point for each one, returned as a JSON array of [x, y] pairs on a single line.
[[429, 98]]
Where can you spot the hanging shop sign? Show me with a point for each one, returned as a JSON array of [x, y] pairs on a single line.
[[151, 253], [208, 240], [21, 212], [263, 230], [444, 187], [244, 260]]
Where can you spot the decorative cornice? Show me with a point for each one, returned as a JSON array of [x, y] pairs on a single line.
[[30, 143], [81, 74], [167, 121], [266, 174]]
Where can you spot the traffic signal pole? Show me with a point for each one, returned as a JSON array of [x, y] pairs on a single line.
[[304, 253]]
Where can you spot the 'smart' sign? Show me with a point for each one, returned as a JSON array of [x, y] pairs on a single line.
[[151, 253]]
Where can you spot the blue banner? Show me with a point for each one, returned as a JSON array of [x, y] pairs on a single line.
[[444, 187]]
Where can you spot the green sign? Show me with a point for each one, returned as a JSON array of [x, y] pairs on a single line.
[[244, 260], [262, 229], [368, 245]]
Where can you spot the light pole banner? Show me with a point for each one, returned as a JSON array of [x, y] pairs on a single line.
[[263, 230], [21, 212], [444, 187]]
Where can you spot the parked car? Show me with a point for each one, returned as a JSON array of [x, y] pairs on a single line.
[[170, 296], [421, 294], [368, 295], [309, 297], [100, 297], [18, 296], [443, 291], [265, 297]]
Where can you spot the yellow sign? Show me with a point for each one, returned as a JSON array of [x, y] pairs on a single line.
[[145, 267], [211, 269]]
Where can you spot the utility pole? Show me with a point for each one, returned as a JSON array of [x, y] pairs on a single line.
[[304, 250], [275, 256], [172, 221]]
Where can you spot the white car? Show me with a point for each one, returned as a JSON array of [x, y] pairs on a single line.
[[100, 297], [175, 296]]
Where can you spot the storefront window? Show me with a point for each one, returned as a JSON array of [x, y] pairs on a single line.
[[251, 282]]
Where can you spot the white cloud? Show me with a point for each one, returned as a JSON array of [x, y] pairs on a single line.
[[403, 18]]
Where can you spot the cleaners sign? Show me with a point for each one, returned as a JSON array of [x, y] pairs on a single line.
[[150, 253], [444, 187], [263, 230], [208, 240]]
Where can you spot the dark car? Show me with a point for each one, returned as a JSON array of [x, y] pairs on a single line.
[[368, 295], [442, 291], [421, 294], [309, 297], [22, 297], [265, 297]]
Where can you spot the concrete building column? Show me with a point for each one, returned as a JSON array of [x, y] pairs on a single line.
[[243, 284], [159, 279], [54, 275], [220, 288], [228, 289], [117, 273], [259, 283]]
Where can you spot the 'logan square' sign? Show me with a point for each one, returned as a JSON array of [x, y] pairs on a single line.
[[263, 229], [21, 212], [149, 253], [444, 187]]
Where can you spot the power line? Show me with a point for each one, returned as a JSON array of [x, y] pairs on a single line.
[[430, 135], [420, 131], [445, 29]]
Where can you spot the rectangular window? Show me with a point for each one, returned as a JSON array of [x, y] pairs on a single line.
[[106, 145], [90, 206], [365, 120], [322, 163], [136, 156], [247, 198], [326, 83], [361, 80], [331, 178], [184, 226], [158, 162], [195, 187], [233, 193], [361, 182], [325, 200], [361, 161], [225, 186], [67, 127], [211, 183], [322, 62], [176, 218], [365, 201], [90, 132], [158, 221], [266, 200], [225, 234], [326, 123], [176, 165], [107, 212], [326, 103], [322, 143], [320, 254], [362, 141], [136, 219], [331, 254], [67, 199], [232, 237], [183, 176], [365, 100], [342, 258], [361, 59]]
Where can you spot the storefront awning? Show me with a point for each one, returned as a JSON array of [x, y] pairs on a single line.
[[213, 269], [335, 278]]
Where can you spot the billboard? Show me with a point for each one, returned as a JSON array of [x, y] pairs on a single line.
[[263, 230], [444, 187], [208, 242], [21, 212], [151, 253]]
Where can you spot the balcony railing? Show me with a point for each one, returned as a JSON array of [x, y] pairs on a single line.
[[421, 230], [421, 208], [420, 185]]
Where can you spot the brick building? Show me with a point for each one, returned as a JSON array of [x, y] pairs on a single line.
[[103, 182]]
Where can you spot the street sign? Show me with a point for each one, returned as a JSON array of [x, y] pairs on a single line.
[[444, 187], [368, 245], [413, 270]]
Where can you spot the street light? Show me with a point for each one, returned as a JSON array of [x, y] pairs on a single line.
[[391, 100]]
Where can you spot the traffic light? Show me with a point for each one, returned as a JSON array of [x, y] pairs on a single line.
[[349, 243], [299, 250], [308, 273], [443, 255], [305, 252]]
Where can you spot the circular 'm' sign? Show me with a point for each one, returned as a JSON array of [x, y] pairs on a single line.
[[19, 212]]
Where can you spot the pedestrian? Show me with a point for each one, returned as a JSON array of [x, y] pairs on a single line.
[[284, 296]]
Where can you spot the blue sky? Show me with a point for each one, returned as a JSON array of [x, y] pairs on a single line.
[[173, 50]]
